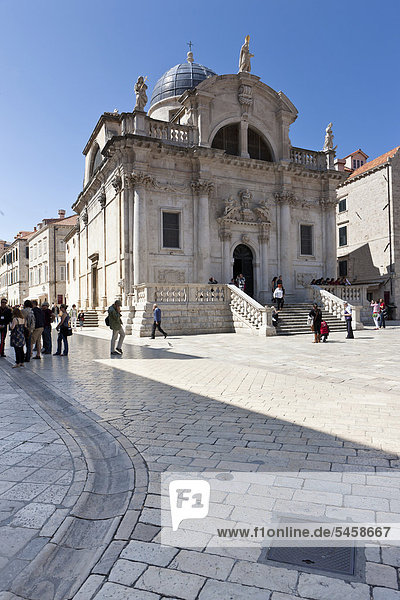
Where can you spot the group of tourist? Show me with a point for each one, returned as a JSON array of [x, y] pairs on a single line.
[[379, 313], [30, 327], [331, 281], [320, 328]]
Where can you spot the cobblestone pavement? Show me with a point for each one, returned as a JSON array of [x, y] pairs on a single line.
[[216, 402]]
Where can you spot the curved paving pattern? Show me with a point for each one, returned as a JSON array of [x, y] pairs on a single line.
[[100, 497]]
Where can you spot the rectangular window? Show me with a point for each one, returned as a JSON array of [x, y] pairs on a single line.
[[40, 249], [68, 272], [170, 232], [44, 246], [73, 268], [343, 205], [62, 272], [354, 164], [26, 251], [343, 268], [343, 236], [306, 240]]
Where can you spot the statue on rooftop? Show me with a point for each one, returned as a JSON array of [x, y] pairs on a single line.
[[245, 56], [328, 145], [140, 91]]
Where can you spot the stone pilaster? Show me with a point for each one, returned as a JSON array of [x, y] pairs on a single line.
[[203, 189], [140, 181]]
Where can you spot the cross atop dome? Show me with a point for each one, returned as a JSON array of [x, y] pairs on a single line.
[[190, 53]]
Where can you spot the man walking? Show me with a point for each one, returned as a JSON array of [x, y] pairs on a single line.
[[157, 322], [73, 313], [46, 335], [115, 323], [36, 339], [5, 320]]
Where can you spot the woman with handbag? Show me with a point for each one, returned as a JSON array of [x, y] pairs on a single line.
[[17, 328], [64, 331]]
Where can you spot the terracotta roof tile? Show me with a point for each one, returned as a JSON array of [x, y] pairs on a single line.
[[374, 163], [68, 221]]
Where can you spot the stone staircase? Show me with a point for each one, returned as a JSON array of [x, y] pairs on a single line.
[[293, 320], [91, 319]]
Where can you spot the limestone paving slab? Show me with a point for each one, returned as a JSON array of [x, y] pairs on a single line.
[[219, 397]]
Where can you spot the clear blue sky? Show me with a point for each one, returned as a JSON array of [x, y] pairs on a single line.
[[63, 63]]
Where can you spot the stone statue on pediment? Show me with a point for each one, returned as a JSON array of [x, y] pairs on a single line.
[[245, 56], [140, 91]]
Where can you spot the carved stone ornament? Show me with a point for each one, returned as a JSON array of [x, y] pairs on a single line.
[[140, 178], [202, 187], [327, 203], [117, 183], [239, 212], [285, 197], [245, 95], [303, 279], [171, 276], [245, 239], [263, 235], [102, 198], [84, 217]]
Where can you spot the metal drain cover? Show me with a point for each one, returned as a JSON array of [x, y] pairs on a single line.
[[339, 560]]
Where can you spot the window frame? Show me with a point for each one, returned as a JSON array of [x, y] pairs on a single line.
[[340, 202], [346, 243], [312, 254], [180, 240]]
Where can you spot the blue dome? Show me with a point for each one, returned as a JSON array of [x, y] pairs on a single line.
[[177, 80]]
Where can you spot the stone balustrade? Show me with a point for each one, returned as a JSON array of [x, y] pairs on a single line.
[[255, 315], [311, 159], [180, 293], [335, 305], [184, 135], [353, 294]]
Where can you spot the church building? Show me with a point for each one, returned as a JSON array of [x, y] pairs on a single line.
[[204, 184]]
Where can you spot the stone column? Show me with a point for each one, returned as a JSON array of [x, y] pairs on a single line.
[[140, 257], [102, 201], [243, 139], [329, 216], [263, 293], [203, 189], [226, 236], [285, 239], [84, 217], [127, 237]]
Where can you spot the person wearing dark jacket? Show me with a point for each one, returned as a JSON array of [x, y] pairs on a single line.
[[36, 339], [5, 320], [46, 335], [157, 322], [316, 315], [115, 323]]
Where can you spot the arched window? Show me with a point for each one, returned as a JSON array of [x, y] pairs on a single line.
[[96, 161], [227, 138], [256, 146]]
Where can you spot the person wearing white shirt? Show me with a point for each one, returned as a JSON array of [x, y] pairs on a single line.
[[279, 294]]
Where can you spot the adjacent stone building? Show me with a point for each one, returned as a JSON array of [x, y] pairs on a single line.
[[47, 259], [14, 264], [368, 223], [206, 184]]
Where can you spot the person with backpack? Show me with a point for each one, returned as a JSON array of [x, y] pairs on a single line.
[[324, 331], [17, 340], [114, 322], [30, 325]]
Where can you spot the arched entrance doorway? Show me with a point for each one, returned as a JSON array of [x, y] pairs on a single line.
[[243, 263]]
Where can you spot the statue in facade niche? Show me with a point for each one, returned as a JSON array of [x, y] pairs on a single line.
[[328, 145], [245, 56], [140, 91]]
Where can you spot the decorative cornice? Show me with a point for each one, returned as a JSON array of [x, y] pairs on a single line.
[[84, 217], [285, 196], [138, 178]]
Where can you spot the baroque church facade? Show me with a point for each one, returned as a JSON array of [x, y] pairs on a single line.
[[206, 183]]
